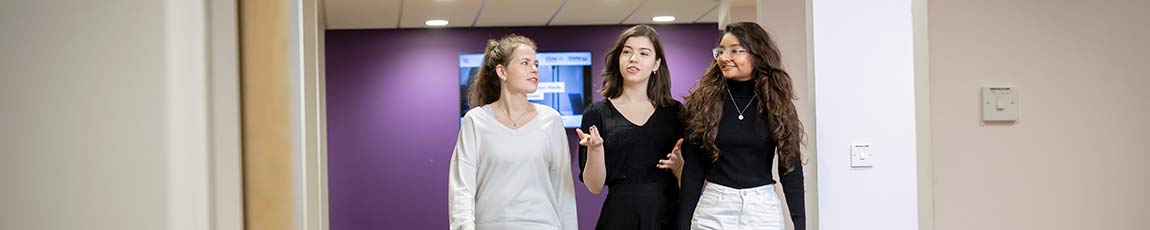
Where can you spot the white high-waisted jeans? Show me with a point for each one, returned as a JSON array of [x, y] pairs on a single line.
[[722, 207]]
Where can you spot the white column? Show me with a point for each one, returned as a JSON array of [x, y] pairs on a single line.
[[864, 70]]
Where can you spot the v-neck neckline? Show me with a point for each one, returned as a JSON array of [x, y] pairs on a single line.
[[629, 121], [513, 130]]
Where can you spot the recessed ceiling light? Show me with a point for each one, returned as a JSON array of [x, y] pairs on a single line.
[[435, 22], [663, 18]]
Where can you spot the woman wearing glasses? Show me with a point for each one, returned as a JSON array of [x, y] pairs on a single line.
[[511, 168], [738, 118], [632, 135]]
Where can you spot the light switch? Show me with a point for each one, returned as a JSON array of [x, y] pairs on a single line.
[[861, 156], [999, 103]]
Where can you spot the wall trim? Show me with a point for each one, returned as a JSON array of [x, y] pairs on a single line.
[[812, 140], [188, 119], [227, 155], [312, 121], [924, 156]]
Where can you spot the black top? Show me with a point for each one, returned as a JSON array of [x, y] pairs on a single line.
[[746, 152], [630, 151]]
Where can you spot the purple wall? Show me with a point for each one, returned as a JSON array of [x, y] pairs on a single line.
[[393, 113]]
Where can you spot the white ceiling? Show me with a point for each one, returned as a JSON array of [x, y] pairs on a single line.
[[391, 14]]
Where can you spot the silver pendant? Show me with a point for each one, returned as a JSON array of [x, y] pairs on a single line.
[[740, 117]]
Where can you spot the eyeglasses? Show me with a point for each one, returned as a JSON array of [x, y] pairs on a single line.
[[719, 52]]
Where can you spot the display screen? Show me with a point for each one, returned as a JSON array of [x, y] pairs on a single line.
[[564, 82]]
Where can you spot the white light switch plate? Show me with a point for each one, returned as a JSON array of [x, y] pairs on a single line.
[[999, 103], [861, 155]]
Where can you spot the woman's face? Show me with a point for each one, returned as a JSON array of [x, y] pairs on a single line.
[[521, 74], [637, 60], [734, 60]]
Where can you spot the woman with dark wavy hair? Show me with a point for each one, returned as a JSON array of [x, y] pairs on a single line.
[[739, 116], [631, 136]]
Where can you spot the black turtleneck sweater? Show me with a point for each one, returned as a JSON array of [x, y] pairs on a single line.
[[746, 152]]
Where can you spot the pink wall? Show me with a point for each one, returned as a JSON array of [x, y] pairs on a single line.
[[1079, 157]]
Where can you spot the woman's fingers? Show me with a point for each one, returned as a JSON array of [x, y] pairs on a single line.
[[584, 139], [595, 139], [669, 162], [591, 138], [677, 165], [673, 159]]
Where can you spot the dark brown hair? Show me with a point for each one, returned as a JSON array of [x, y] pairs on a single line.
[[485, 86], [775, 97], [658, 86]]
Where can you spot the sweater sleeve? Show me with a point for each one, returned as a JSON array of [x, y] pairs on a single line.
[[695, 164], [561, 179], [462, 183], [793, 189]]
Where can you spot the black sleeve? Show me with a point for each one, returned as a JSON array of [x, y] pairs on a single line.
[[794, 191], [695, 164], [679, 125], [591, 117]]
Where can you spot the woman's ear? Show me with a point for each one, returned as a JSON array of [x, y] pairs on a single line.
[[499, 70], [658, 63]]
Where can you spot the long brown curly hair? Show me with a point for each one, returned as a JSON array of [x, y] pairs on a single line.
[[772, 85], [485, 86]]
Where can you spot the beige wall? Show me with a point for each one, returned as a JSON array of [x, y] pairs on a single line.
[[1079, 157], [785, 20], [107, 112], [84, 135]]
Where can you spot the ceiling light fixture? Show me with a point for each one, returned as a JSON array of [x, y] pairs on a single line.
[[663, 18], [435, 22]]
